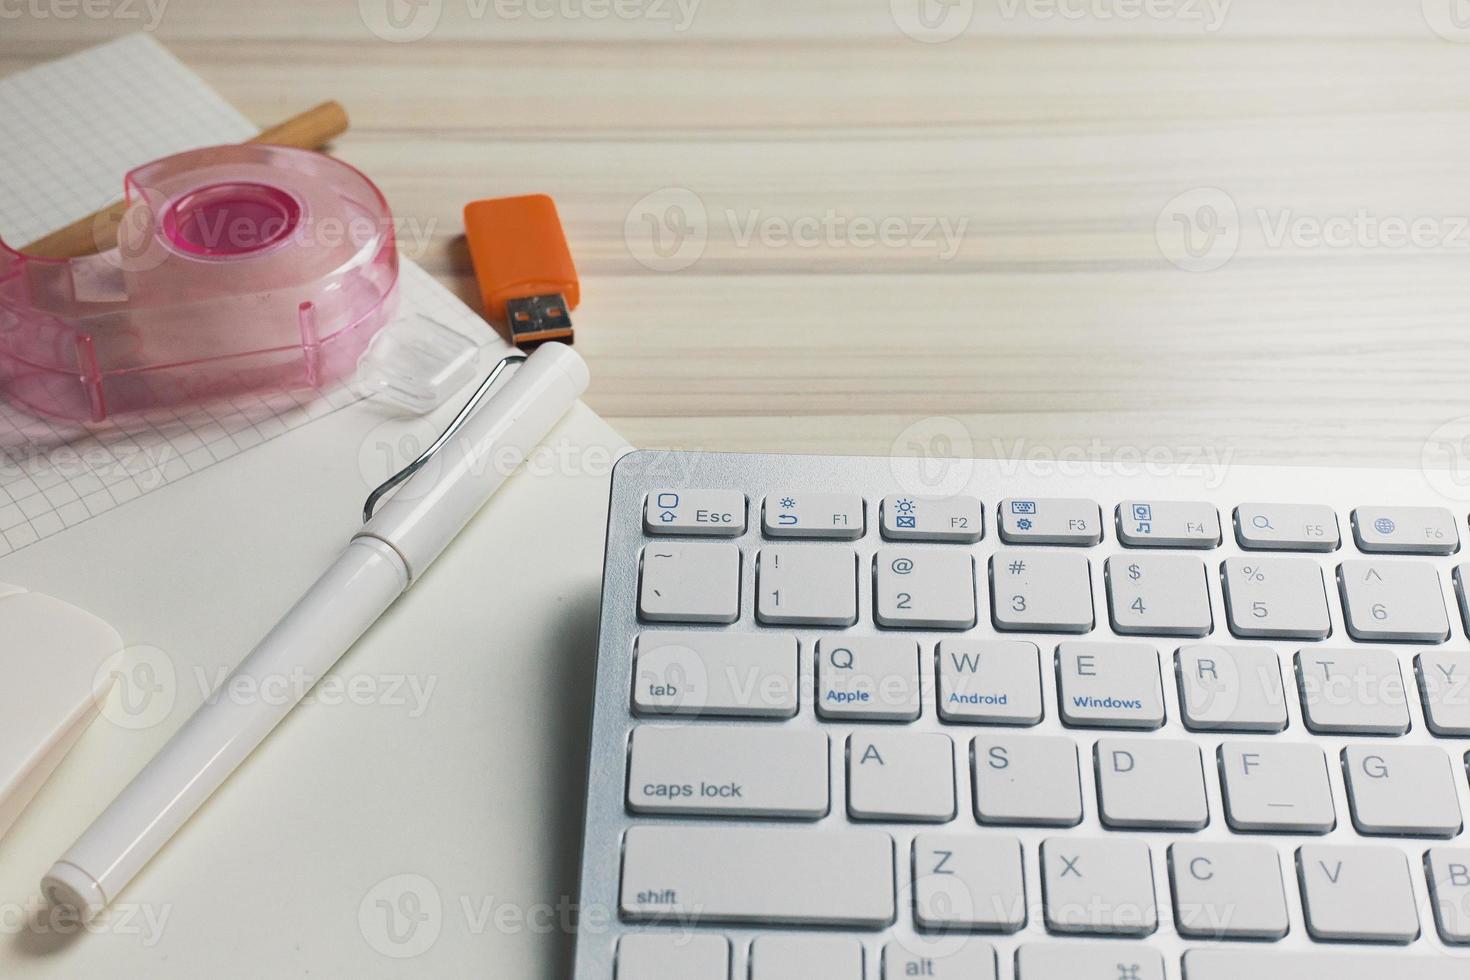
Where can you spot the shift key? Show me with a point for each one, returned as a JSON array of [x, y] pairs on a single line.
[[724, 771], [757, 875]]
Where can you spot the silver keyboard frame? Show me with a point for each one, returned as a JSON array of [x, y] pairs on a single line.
[[991, 480]]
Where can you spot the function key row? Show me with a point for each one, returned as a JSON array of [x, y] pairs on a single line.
[[1075, 522]]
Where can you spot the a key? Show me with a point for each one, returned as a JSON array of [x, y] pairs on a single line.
[[1393, 600], [868, 678], [1352, 691], [1357, 894], [806, 586], [1287, 527], [690, 583], [900, 776], [968, 882], [726, 771], [1168, 524], [744, 675], [1228, 890], [990, 682], [1095, 886], [1110, 685], [909, 518], [813, 515], [1089, 961], [944, 958], [1272, 964], [707, 512], [1444, 688], [1230, 689], [805, 957], [1448, 871], [1050, 521], [1406, 530], [1276, 787], [1041, 591], [673, 956], [773, 876], [1276, 597], [924, 588], [1150, 784], [1026, 780], [1402, 790], [1158, 595]]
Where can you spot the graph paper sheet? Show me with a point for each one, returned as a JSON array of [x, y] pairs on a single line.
[[69, 130]]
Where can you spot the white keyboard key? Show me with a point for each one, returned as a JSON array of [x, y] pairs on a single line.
[[1229, 890], [909, 518], [673, 956], [1041, 591], [1393, 600], [1276, 787], [1271, 964], [1158, 595], [924, 588], [1287, 527], [1462, 580], [1055, 521], [1230, 689], [1406, 530], [728, 771], [775, 876], [969, 882], [1110, 685], [711, 512], [690, 583], [1357, 894], [806, 586], [1027, 780], [943, 958], [1089, 961], [1096, 886], [1448, 870], [813, 515], [1276, 597], [805, 957], [868, 678], [744, 675], [1168, 524], [990, 682], [1145, 783], [1403, 790], [900, 776], [1352, 691], [1444, 688]]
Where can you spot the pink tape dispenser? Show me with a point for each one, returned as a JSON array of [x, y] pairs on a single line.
[[238, 268]]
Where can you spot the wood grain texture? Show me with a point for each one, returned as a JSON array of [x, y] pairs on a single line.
[[891, 242]]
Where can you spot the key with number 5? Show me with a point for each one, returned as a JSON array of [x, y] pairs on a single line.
[[1276, 597]]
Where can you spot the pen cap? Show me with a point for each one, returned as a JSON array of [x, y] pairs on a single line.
[[433, 505]]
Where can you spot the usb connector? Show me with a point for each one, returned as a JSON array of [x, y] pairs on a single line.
[[536, 319]]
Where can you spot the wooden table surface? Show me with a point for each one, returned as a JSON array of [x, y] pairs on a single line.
[[1238, 230]]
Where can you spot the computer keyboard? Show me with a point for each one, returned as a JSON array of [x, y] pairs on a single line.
[[862, 718]]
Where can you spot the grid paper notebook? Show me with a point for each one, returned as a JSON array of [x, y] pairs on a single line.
[[69, 130]]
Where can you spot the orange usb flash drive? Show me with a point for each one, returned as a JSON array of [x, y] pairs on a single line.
[[523, 266]]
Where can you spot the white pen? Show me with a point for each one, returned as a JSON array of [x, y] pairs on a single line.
[[466, 466]]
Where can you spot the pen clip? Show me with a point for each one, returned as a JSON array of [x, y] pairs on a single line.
[[464, 415]]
